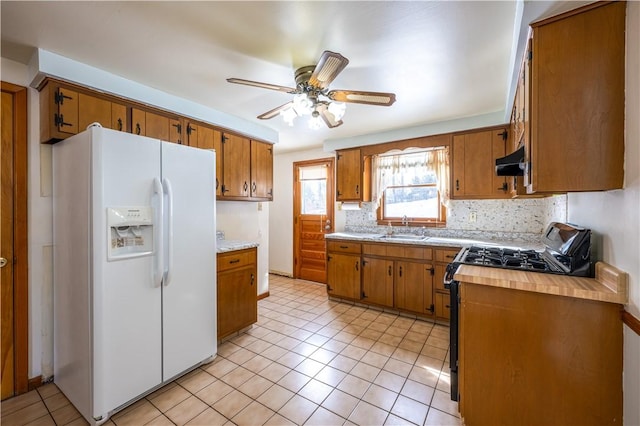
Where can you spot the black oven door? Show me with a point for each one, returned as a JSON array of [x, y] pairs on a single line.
[[454, 302]]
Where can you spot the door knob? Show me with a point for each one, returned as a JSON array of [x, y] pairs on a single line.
[[3, 262]]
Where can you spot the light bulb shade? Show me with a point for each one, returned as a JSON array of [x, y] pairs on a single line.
[[337, 109], [302, 104], [288, 115], [315, 122]]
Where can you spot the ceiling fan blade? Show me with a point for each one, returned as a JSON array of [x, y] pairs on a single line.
[[327, 117], [270, 114], [328, 68], [263, 85], [369, 98]]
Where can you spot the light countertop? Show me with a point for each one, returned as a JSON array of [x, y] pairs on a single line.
[[609, 284], [224, 246], [431, 241]]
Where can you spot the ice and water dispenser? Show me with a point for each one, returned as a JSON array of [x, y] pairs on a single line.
[[130, 232]]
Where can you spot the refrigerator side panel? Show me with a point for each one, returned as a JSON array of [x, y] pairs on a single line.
[[72, 270], [127, 305], [189, 288]]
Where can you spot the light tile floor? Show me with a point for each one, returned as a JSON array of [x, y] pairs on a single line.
[[308, 360]]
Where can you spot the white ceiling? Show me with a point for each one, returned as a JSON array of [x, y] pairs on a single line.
[[444, 60]]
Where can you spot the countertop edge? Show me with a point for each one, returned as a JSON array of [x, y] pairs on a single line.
[[595, 289], [225, 246]]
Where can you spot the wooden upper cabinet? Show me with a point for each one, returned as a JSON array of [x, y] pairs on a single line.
[[473, 164], [577, 100], [66, 111], [236, 168], [261, 170], [349, 175], [146, 123]]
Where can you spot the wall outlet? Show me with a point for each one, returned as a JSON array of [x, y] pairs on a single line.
[[473, 216]]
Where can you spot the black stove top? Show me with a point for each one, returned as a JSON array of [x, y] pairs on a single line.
[[567, 251], [504, 258]]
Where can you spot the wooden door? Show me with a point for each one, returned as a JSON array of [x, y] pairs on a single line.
[[236, 152], [313, 217], [377, 281], [13, 241], [344, 275], [261, 170]]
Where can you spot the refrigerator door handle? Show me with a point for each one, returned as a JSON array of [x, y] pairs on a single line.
[[166, 184], [157, 233]]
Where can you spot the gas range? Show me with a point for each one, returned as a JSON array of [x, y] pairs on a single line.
[[567, 251]]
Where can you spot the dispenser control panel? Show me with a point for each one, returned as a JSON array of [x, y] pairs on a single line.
[[130, 232]]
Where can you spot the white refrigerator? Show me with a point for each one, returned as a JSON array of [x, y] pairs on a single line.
[[134, 266]]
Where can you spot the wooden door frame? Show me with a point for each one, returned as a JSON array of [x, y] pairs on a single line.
[[21, 249], [330, 204]]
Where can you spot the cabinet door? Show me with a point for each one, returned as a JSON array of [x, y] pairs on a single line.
[[93, 110], [237, 300], [443, 308], [261, 170], [119, 117], [67, 111], [236, 171], [349, 175], [343, 276], [217, 145], [175, 131], [377, 281], [138, 122], [473, 173], [156, 126], [414, 287]]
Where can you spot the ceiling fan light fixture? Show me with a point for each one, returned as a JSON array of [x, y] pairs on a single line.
[[302, 104]]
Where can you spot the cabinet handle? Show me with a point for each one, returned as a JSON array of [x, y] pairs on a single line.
[[245, 186], [357, 189], [431, 270], [344, 247], [457, 185], [120, 124], [338, 193], [364, 296], [389, 270], [234, 261], [253, 188], [431, 308], [447, 306], [217, 183], [504, 187], [253, 278], [357, 265], [450, 256], [400, 272], [138, 129]]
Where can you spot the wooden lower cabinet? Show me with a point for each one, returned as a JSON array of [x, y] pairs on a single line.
[[377, 281], [343, 275], [538, 359], [414, 287], [237, 291], [441, 295]]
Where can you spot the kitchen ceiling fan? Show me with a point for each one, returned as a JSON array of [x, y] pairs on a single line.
[[313, 97]]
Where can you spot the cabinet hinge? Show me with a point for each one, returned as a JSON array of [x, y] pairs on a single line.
[[59, 97], [431, 308], [431, 271], [223, 189], [504, 135], [328, 258], [338, 156], [178, 128], [364, 296], [224, 139], [58, 120], [530, 55], [190, 129]]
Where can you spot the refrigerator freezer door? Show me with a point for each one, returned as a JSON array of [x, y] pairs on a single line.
[[189, 287], [127, 351]]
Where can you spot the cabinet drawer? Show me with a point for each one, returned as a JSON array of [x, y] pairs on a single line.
[[409, 252], [447, 255], [236, 259], [344, 247], [374, 249]]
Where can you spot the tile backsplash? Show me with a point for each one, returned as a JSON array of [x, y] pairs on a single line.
[[513, 219]]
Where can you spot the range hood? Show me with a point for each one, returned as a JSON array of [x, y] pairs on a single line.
[[512, 164]]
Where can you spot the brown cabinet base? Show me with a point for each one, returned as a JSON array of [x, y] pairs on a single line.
[[538, 359]]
